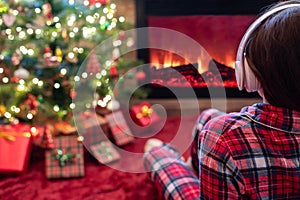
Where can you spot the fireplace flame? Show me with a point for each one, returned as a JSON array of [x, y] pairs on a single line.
[[167, 59], [164, 59]]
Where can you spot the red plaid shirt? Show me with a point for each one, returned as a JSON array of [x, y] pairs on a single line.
[[253, 154]]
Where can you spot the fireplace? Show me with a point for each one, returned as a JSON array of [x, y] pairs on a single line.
[[216, 25]]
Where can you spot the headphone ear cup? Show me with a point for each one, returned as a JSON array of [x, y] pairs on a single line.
[[251, 84], [239, 75]]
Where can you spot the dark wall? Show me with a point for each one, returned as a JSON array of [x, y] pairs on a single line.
[[194, 7], [145, 8]]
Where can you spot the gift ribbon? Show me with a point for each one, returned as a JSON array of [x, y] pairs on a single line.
[[11, 136], [145, 112], [64, 158]]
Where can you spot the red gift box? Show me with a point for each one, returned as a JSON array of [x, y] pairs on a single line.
[[65, 160], [15, 149], [119, 129], [143, 115]]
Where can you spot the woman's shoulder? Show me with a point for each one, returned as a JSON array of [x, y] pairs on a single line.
[[226, 123]]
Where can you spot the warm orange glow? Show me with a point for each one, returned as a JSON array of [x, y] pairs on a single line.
[[164, 59]]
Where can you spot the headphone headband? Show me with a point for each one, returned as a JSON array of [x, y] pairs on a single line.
[[240, 56]]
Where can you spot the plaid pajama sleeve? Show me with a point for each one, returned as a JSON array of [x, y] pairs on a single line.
[[202, 120], [173, 178]]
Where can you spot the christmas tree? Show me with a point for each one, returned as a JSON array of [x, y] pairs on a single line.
[[43, 44]]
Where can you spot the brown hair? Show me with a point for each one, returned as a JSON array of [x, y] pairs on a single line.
[[273, 53]]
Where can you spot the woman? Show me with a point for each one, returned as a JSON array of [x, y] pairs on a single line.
[[254, 153]]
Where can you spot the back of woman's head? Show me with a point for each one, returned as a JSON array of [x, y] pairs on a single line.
[[273, 54]]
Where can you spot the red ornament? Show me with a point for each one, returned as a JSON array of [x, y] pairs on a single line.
[[73, 94], [122, 35], [102, 2], [47, 50], [113, 71], [140, 75]]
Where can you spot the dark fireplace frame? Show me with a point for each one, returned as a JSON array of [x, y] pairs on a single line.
[[146, 8]]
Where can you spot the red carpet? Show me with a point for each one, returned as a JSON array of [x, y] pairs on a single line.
[[99, 183]]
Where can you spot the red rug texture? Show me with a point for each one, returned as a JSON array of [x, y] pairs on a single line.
[[99, 183]]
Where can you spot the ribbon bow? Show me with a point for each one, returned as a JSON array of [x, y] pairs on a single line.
[[11, 136], [64, 158], [145, 112]]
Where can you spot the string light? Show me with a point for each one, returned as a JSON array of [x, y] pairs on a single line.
[[5, 80], [30, 52], [40, 83], [71, 34], [63, 71], [76, 78], [98, 75], [56, 108], [7, 115], [56, 19], [56, 85], [105, 10], [98, 5], [37, 10], [103, 72], [86, 3], [18, 29], [122, 19], [107, 22], [30, 31], [84, 75], [72, 105], [71, 2], [29, 116], [80, 50], [58, 25], [113, 6]]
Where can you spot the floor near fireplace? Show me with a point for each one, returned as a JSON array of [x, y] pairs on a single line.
[[191, 106]]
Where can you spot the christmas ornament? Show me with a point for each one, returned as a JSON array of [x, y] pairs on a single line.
[[102, 2], [115, 53], [3, 6], [21, 73], [93, 65], [59, 54], [50, 60], [16, 58], [129, 75], [113, 72], [41, 99], [2, 110], [47, 12], [140, 76], [73, 94], [8, 19], [122, 35]]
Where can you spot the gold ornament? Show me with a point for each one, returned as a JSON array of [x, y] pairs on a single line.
[[2, 110]]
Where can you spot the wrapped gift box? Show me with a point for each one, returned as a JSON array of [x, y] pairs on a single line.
[[105, 152], [66, 159], [143, 115], [15, 149], [119, 129], [94, 129]]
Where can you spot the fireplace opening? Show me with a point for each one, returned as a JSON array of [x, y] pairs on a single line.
[[217, 26]]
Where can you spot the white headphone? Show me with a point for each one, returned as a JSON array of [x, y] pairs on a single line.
[[244, 76]]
